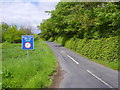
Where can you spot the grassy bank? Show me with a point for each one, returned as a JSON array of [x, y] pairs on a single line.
[[20, 72], [0, 66], [104, 51]]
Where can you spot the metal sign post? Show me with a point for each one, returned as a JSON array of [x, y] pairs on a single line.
[[27, 54], [27, 43]]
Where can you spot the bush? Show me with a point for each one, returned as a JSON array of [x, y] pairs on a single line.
[[105, 49], [51, 39], [36, 37], [59, 40]]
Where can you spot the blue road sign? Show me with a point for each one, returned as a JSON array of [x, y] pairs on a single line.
[[28, 42]]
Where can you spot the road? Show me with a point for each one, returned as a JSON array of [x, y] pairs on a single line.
[[81, 72]]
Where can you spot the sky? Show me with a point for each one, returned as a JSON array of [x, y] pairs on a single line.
[[27, 13]]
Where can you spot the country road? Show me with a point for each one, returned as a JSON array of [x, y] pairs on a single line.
[[81, 72]]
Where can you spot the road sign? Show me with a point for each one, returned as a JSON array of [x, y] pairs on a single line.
[[28, 42]]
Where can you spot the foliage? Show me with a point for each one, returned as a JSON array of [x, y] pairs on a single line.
[[105, 49], [12, 34], [89, 28], [20, 72], [59, 40], [0, 66], [36, 37], [93, 20]]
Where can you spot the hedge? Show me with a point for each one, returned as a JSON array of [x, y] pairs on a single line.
[[102, 49], [105, 50]]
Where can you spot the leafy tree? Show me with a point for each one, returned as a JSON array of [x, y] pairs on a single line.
[[12, 34], [4, 28], [90, 20]]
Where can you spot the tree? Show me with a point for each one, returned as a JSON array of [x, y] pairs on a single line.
[[12, 34], [90, 20], [4, 28]]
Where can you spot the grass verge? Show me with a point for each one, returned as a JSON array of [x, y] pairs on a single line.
[[20, 72], [0, 66]]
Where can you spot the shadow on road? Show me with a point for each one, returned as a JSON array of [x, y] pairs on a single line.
[[58, 46]]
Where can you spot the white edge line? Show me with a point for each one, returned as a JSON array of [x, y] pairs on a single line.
[[99, 79], [73, 59]]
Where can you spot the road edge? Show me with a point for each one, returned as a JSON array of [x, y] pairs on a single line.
[[57, 77]]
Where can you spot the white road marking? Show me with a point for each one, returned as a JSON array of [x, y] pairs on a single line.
[[73, 59], [99, 79]]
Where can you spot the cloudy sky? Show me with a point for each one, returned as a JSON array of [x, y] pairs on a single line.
[[25, 12]]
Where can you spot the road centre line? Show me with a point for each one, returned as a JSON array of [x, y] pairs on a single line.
[[99, 79], [73, 59]]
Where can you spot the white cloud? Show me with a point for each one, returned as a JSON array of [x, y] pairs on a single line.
[[25, 14]]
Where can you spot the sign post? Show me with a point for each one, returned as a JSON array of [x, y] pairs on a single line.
[[27, 54], [27, 43]]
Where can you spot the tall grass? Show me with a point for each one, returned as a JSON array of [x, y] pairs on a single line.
[[20, 72], [0, 66]]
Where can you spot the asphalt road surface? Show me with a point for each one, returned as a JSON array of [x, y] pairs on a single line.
[[81, 72]]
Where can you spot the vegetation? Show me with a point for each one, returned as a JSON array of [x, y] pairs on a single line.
[[20, 72], [104, 51], [89, 28], [10, 33], [82, 20], [0, 66]]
